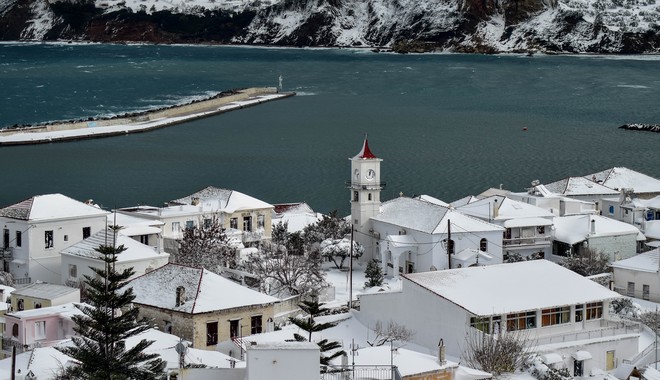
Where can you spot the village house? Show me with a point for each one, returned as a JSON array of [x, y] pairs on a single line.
[[201, 306], [641, 213], [37, 229], [559, 205], [409, 235], [575, 234], [239, 214], [296, 216], [557, 311], [78, 259], [145, 230], [619, 178], [638, 276], [39, 327], [581, 188], [38, 295], [527, 228]]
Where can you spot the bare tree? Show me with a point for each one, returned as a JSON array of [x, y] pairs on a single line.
[[206, 246], [283, 274], [390, 332], [497, 353], [588, 263]]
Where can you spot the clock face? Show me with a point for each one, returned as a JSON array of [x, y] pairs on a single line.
[[371, 174], [356, 173]]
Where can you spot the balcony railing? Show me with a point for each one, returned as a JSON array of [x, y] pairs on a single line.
[[527, 241], [372, 186], [607, 329], [362, 372], [8, 343], [23, 281]]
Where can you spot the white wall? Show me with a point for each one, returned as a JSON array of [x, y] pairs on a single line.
[[83, 265], [279, 363], [639, 278], [617, 247]]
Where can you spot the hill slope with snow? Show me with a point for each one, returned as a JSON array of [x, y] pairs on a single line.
[[482, 26]]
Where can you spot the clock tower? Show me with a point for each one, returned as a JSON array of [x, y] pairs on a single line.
[[365, 187]]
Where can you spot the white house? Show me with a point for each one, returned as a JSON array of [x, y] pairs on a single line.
[[559, 205], [642, 213], [573, 234], [558, 310], [297, 216], [414, 235], [145, 230], [581, 188], [528, 229], [78, 259], [638, 276], [37, 229]]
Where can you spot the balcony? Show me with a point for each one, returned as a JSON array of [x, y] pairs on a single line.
[[8, 343], [358, 186], [527, 241]]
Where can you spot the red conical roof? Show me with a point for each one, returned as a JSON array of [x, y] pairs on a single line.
[[365, 152]]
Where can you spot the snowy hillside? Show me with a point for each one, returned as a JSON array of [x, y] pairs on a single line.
[[485, 26]]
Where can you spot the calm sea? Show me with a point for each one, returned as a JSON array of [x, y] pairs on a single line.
[[445, 125]]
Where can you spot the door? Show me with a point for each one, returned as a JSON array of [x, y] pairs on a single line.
[[609, 361], [578, 368]]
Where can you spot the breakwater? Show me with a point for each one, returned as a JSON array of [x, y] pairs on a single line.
[[642, 127], [138, 121]]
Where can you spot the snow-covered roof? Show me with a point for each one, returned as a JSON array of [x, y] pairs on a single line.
[[470, 254], [44, 291], [644, 262], [50, 206], [216, 199], [487, 290], [652, 229], [297, 216], [573, 229], [428, 217], [498, 207], [67, 310], [527, 222], [621, 178], [133, 225], [463, 201], [573, 186], [408, 362], [135, 251], [204, 291], [430, 199], [6, 292]]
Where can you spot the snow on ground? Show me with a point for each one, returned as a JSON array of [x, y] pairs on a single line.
[[340, 280]]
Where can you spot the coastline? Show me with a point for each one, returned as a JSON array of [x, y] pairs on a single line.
[[141, 121]]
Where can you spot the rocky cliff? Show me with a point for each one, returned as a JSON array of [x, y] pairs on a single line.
[[480, 26]]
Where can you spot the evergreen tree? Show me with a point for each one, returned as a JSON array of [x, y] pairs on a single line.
[[313, 308], [100, 347], [374, 274]]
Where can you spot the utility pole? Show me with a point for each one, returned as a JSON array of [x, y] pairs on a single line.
[[350, 273], [449, 244]]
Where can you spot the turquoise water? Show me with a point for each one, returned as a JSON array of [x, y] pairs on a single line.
[[445, 125]]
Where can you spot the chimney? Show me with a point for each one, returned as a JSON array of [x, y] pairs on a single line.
[[180, 295], [496, 209], [593, 226], [441, 352], [195, 201]]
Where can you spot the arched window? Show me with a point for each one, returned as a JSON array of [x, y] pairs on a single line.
[[20, 304], [611, 210], [37, 305], [483, 245], [14, 330], [369, 196]]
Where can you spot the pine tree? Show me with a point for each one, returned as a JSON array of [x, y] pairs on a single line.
[[314, 308], [374, 274], [100, 348]]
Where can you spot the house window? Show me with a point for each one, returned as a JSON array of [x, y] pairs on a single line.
[[483, 245], [66, 237], [144, 239], [208, 223], [14, 330], [247, 223], [631, 289], [233, 328], [5, 237], [369, 196], [555, 316], [540, 230], [255, 324], [646, 289], [611, 210], [48, 239], [20, 305], [594, 310], [482, 324], [176, 227], [450, 247], [40, 330], [19, 238], [233, 223], [212, 333], [87, 232], [190, 224], [521, 321], [356, 196], [168, 327], [37, 305], [579, 310], [73, 271], [261, 221]]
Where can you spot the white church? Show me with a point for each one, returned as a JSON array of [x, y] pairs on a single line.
[[421, 234]]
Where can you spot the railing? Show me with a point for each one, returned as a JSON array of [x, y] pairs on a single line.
[[611, 329], [535, 240], [361, 372], [373, 186], [8, 343], [646, 356], [23, 281]]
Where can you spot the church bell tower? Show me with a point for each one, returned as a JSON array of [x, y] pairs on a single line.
[[365, 187]]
